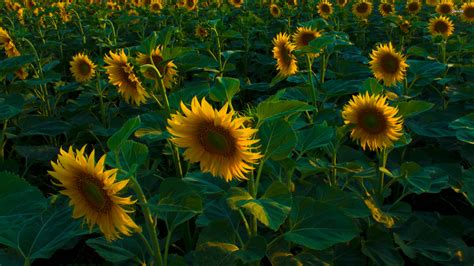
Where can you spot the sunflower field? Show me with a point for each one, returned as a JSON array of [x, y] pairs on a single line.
[[236, 132]]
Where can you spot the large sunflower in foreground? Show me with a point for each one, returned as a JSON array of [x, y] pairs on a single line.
[[92, 191], [283, 53], [362, 10], [214, 138], [82, 68], [386, 9], [168, 70], [121, 74], [468, 12], [324, 8], [375, 124], [441, 26], [387, 64], [446, 7], [413, 6]]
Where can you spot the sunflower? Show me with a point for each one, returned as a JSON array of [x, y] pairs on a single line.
[[441, 26], [236, 3], [92, 191], [387, 64], [386, 9], [292, 2], [404, 25], [133, 13], [156, 7], [468, 12], [303, 36], [413, 6], [168, 70], [121, 74], [374, 122], [324, 8], [190, 4], [446, 7], [82, 68], [201, 32], [342, 3], [137, 2], [282, 52], [214, 138], [275, 10], [362, 9], [432, 2], [6, 43]]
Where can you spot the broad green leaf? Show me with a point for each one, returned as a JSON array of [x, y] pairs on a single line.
[[122, 250], [206, 183], [468, 185], [423, 179], [272, 109], [424, 71], [413, 108], [318, 225], [380, 248], [10, 106], [346, 201], [131, 155], [123, 133], [254, 250], [225, 89], [271, 209], [40, 125], [464, 127], [277, 138], [315, 137], [12, 64], [372, 86]]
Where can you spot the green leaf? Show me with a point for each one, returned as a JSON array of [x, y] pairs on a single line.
[[348, 202], [424, 71], [123, 133], [10, 106], [413, 108], [272, 109], [12, 64], [372, 86], [254, 250], [318, 225], [380, 248], [225, 89], [122, 250], [176, 202], [468, 185], [464, 127], [278, 139], [271, 209], [131, 154], [315, 137], [39, 125], [423, 179]]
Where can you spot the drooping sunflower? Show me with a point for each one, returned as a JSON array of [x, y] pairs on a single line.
[[387, 64], [275, 10], [413, 7], [362, 9], [342, 3], [82, 68], [441, 26], [283, 53], [386, 9], [303, 36], [375, 124], [7, 44], [190, 4], [92, 191], [121, 74], [236, 3], [214, 138], [468, 12], [168, 71], [324, 8], [446, 7], [432, 2]]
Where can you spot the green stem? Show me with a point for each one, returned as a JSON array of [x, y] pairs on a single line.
[[313, 88], [167, 246], [3, 140], [101, 101], [80, 26], [334, 164], [443, 51], [246, 223], [147, 245], [383, 164]]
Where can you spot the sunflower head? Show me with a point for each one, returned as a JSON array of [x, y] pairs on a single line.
[[468, 12], [413, 7], [190, 4], [404, 25], [342, 3], [387, 64], [446, 7], [236, 3], [155, 7], [168, 70], [283, 53], [275, 10], [374, 123], [324, 8], [7, 44], [82, 68], [386, 9], [121, 74], [201, 32], [215, 139], [92, 192], [362, 10], [441, 26]]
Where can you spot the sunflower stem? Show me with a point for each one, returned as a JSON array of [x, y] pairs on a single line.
[[313, 88], [443, 50], [3, 140], [246, 223], [167, 246], [100, 92], [383, 164]]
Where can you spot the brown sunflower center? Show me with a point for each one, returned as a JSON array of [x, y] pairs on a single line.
[[325, 8], [389, 63], [237, 2], [275, 10], [91, 189], [387, 8], [372, 121], [445, 9], [155, 7], [413, 6], [217, 140], [469, 12], [190, 3], [84, 68], [362, 8], [307, 37], [440, 26]]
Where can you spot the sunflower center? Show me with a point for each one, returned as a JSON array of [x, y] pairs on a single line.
[[389, 63], [387, 8], [275, 10], [325, 8], [217, 140], [362, 7], [412, 7], [441, 27], [469, 12], [155, 6], [307, 37], [84, 68], [372, 121], [190, 3], [445, 9], [94, 194]]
